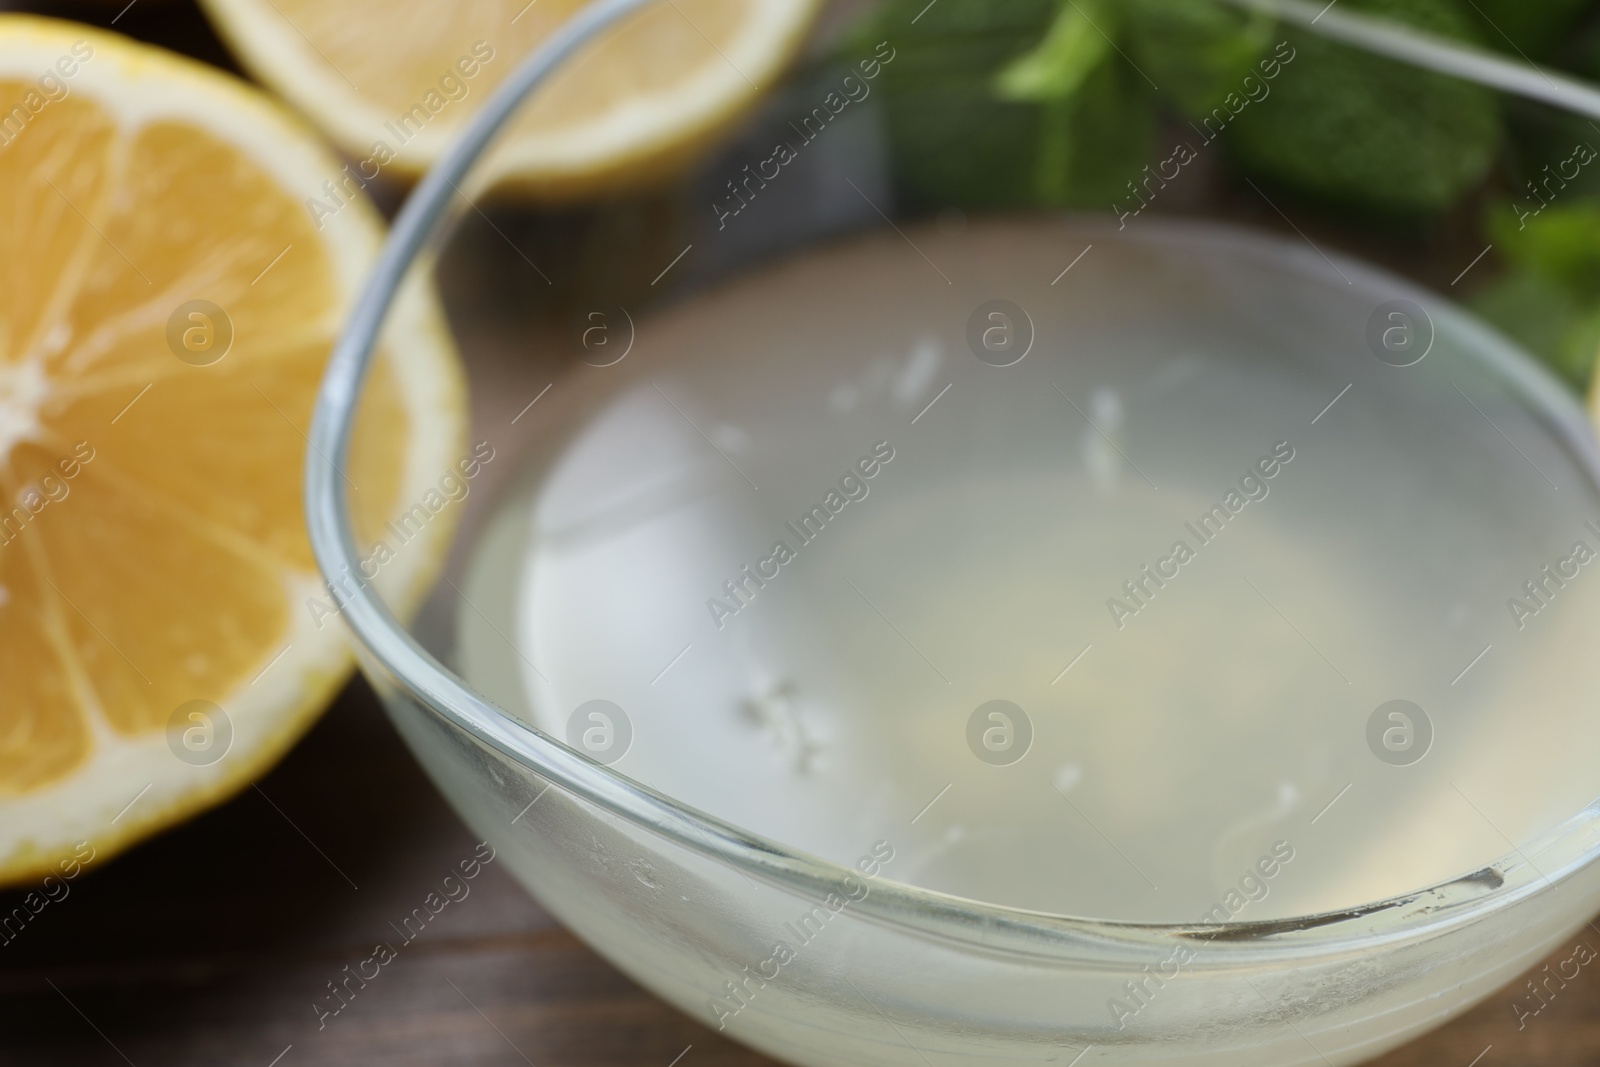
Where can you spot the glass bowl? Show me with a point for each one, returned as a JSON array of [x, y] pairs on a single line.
[[981, 766]]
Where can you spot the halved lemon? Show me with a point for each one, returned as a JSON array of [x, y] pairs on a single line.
[[167, 304], [392, 80]]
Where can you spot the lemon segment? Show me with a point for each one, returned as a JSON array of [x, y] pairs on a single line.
[[167, 306]]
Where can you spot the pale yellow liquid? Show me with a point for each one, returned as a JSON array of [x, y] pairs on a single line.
[[1179, 749]]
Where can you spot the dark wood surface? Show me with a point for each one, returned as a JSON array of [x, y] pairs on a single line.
[[211, 944]]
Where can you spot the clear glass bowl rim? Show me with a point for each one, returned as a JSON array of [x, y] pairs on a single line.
[[976, 925]]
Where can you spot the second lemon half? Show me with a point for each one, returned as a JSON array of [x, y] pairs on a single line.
[[392, 80]]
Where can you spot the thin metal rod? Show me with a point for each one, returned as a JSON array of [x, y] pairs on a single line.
[[1416, 47]]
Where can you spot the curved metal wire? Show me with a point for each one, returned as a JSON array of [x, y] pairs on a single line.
[[1421, 49]]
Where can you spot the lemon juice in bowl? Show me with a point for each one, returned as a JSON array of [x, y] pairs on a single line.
[[1193, 585]]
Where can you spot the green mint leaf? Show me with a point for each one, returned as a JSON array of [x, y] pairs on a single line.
[[1560, 243], [1370, 132], [1196, 50], [1529, 28], [1074, 46], [1092, 143]]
